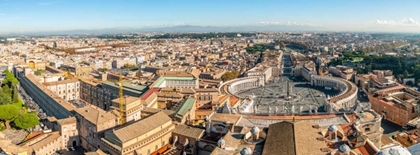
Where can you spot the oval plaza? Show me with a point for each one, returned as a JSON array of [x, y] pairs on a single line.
[[298, 91]]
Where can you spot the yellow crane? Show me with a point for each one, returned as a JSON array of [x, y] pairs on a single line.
[[122, 117]]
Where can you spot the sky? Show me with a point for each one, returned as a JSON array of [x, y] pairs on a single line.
[[334, 15]]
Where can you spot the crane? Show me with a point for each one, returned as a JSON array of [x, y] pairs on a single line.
[[121, 98]]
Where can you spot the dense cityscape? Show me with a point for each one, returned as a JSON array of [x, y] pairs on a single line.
[[210, 93], [236, 77]]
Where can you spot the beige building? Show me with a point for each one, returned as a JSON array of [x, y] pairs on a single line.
[[92, 122], [342, 71], [77, 70], [206, 97], [264, 72], [143, 137], [132, 107], [36, 64], [46, 143], [68, 131], [186, 138], [66, 89]]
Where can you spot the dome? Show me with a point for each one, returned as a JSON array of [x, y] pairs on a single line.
[[344, 148], [255, 129], [221, 142], [246, 151], [332, 128]]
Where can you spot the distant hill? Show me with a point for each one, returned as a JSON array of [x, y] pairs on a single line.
[[177, 29]]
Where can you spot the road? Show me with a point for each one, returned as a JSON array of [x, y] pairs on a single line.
[[32, 105]]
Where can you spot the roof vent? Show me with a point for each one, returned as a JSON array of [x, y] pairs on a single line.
[[87, 110]]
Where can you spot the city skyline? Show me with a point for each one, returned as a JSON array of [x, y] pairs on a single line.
[[28, 16]]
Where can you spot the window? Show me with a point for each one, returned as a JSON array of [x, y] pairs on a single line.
[[148, 151]]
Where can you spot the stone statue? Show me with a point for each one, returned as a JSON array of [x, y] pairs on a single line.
[[293, 109], [310, 109], [276, 110], [300, 109]]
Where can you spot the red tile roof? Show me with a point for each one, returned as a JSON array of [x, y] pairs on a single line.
[[148, 93]]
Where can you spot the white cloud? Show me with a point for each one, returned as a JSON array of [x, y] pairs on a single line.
[[180, 24], [404, 22]]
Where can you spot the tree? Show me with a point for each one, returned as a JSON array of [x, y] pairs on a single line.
[[15, 95], [102, 69], [26, 121], [4, 99], [130, 67], [6, 90], [406, 74], [38, 72], [10, 79], [230, 75], [7, 113]]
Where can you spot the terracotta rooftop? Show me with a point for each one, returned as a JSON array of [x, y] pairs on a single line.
[[96, 115], [148, 93], [141, 127], [188, 131], [293, 138], [65, 121]]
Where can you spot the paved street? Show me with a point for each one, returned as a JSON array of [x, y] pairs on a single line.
[[32, 105]]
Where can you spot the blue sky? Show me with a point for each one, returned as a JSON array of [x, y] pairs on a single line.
[[337, 15]]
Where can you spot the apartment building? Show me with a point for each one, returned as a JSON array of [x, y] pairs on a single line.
[[187, 138], [174, 81], [101, 93], [77, 70], [206, 97], [212, 74], [185, 111], [132, 107], [92, 123], [397, 104], [91, 91], [67, 89], [264, 72], [342, 72]]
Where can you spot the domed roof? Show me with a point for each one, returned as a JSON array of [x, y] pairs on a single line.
[[332, 128], [221, 141], [246, 151], [344, 148], [255, 129]]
